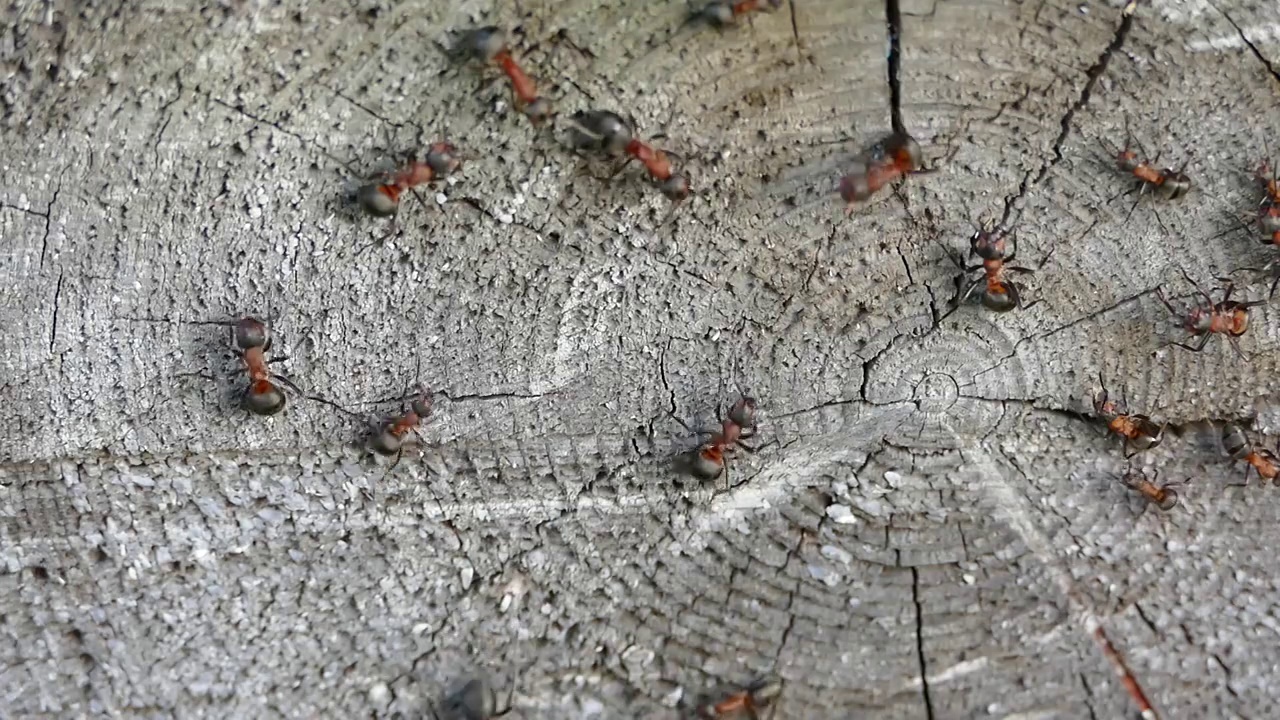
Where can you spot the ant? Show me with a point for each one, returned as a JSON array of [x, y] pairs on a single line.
[[489, 44], [250, 340], [723, 13], [1162, 496], [999, 294], [1238, 447], [1227, 317], [382, 199], [1138, 431], [758, 696], [892, 157], [1168, 184], [477, 701], [1269, 219], [608, 132], [707, 462], [389, 434]]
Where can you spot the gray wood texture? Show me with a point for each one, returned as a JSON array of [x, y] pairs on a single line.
[[930, 524]]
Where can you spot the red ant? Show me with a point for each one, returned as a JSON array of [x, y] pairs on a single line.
[[478, 701], [389, 434], [1168, 184], [489, 44], [999, 294], [723, 13], [251, 339], [707, 462], [609, 132], [1227, 318], [1269, 220], [760, 695], [1162, 496], [383, 199], [1238, 447], [892, 157], [1138, 431]]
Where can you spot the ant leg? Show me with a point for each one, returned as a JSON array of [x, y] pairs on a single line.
[[1203, 339], [1199, 289], [1235, 345], [1160, 294], [1014, 294], [968, 292], [285, 379], [278, 358]]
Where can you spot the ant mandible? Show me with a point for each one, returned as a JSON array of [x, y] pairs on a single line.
[[1238, 447], [723, 13], [1138, 431], [892, 157], [1162, 496], [1228, 318], [489, 44], [760, 695], [999, 294], [383, 199], [389, 434], [250, 340], [607, 131], [707, 462]]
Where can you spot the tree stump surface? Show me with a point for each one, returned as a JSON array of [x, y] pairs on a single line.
[[932, 520]]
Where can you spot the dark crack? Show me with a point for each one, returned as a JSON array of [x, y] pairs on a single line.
[[1249, 43], [1093, 73], [1088, 697], [306, 142], [1146, 620], [795, 29], [915, 598], [48, 226], [893, 18], [53, 332]]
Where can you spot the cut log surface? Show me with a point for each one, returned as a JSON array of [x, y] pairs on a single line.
[[932, 524]]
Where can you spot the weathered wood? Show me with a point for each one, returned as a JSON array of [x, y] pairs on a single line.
[[930, 527]]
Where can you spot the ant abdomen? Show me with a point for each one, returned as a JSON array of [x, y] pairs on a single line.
[[384, 442], [1175, 185], [997, 301], [263, 398], [375, 201]]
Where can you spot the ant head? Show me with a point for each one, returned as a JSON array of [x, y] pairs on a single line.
[[856, 186], [484, 43], [1000, 298], [263, 398], [251, 332], [376, 202], [675, 187], [987, 245], [539, 110], [766, 690], [1199, 320], [1234, 441], [443, 159], [1127, 160]]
